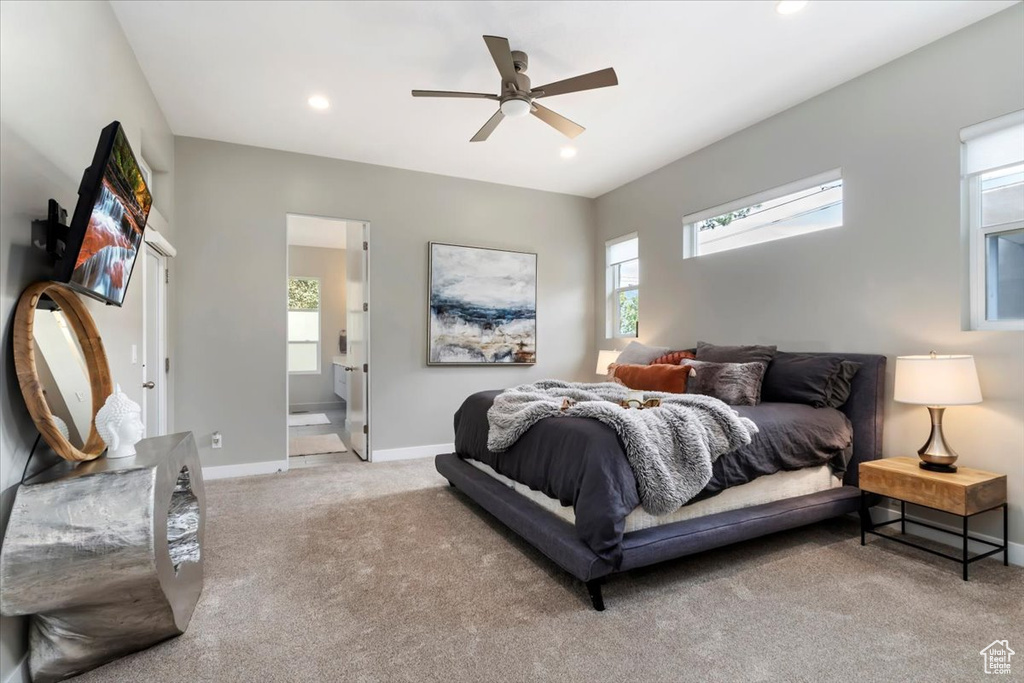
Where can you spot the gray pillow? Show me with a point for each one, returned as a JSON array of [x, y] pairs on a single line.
[[735, 354], [736, 384], [800, 378], [636, 353], [842, 383]]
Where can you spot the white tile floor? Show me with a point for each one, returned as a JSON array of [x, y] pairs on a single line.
[[337, 426]]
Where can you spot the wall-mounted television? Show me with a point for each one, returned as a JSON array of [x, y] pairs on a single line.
[[105, 234]]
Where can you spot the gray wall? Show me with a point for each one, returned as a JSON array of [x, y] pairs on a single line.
[[329, 266], [231, 205], [889, 281], [66, 71]]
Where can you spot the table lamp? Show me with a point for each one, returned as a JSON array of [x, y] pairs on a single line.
[[604, 359], [936, 382]]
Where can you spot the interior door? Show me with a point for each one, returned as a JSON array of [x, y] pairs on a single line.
[[357, 304], [154, 346]]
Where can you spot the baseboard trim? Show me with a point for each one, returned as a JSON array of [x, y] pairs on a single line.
[[411, 452], [1016, 550], [19, 674], [245, 470]]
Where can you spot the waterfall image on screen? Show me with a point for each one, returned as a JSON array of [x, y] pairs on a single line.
[[114, 235]]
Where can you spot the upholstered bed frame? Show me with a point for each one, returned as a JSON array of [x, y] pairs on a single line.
[[557, 538]]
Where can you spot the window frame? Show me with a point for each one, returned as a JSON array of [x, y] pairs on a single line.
[[615, 289], [691, 241], [978, 261], [319, 326]]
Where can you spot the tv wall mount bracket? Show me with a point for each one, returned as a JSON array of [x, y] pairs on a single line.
[[51, 234]]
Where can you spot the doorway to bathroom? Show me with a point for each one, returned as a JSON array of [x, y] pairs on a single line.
[[326, 355]]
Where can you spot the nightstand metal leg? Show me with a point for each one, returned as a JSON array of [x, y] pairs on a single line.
[[903, 517], [966, 561], [1006, 535], [865, 517]]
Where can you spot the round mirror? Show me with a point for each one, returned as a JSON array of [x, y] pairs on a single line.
[[62, 368]]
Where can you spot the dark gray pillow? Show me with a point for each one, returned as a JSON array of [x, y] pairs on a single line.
[[737, 384], [636, 353], [735, 354], [800, 378], [842, 383]]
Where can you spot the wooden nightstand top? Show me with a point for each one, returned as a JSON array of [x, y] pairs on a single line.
[[964, 492]]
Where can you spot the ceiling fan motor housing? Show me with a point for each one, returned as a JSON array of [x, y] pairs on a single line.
[[520, 61]]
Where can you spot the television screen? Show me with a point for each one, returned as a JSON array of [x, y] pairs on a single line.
[[105, 235]]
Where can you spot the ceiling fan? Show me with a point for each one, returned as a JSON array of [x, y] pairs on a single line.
[[517, 98]]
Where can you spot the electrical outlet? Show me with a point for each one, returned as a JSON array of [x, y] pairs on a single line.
[[135, 354], [218, 440]]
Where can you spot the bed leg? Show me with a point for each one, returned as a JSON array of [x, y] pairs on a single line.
[[594, 589]]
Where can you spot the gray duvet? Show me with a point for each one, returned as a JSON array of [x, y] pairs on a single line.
[[581, 462]]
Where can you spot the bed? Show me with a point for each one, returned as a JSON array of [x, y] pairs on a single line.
[[577, 507]]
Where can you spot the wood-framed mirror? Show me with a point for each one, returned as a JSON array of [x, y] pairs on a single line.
[[62, 368]]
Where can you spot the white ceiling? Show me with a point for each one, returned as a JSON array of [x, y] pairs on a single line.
[[689, 73], [313, 231]]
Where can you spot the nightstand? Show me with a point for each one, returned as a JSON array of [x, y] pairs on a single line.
[[964, 493]]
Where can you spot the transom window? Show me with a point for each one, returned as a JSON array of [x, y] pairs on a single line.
[[622, 256], [992, 166], [304, 325], [795, 209]]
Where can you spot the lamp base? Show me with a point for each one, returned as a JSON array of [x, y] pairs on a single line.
[[932, 467], [935, 454]]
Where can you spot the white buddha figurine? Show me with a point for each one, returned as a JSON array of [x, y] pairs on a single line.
[[119, 424]]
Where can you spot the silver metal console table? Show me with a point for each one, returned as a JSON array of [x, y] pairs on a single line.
[[106, 556]]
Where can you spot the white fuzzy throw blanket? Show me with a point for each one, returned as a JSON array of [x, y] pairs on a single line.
[[670, 449]]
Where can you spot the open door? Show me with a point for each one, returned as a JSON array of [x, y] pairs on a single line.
[[357, 417]]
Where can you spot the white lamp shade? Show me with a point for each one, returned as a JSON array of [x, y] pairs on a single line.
[[936, 380], [604, 359]]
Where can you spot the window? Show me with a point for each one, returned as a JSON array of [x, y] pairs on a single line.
[[304, 325], [623, 259], [992, 166], [795, 209]]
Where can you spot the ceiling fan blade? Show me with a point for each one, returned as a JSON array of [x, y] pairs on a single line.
[[596, 79], [501, 53], [452, 93], [488, 128], [556, 121]]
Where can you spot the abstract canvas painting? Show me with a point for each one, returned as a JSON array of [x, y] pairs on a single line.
[[483, 306]]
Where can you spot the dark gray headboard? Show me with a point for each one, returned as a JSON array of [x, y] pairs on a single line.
[[865, 409]]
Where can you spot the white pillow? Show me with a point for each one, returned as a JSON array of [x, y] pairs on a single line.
[[636, 353]]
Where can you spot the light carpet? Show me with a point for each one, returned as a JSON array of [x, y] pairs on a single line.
[[361, 572], [307, 419], [316, 444]]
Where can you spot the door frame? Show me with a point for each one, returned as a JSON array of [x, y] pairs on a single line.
[[366, 321], [157, 244]]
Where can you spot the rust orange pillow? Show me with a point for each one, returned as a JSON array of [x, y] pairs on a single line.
[[668, 378], [673, 358]]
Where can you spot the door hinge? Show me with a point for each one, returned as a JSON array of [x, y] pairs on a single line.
[[366, 246], [167, 276], [366, 367], [366, 429], [167, 365], [366, 307]]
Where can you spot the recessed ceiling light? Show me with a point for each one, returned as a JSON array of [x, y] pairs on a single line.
[[319, 102], [568, 152], [790, 6]]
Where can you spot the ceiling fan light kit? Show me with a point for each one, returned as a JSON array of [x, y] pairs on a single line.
[[518, 98], [515, 107]]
